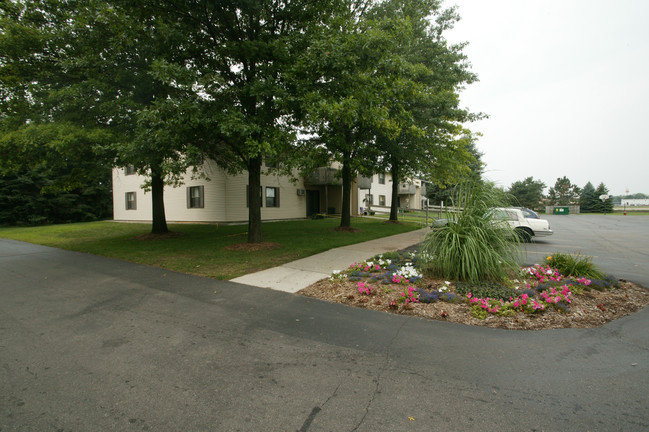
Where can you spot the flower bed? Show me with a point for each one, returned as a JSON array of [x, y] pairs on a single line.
[[539, 298]]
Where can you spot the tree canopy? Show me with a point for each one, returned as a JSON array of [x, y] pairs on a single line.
[[527, 193], [385, 96], [564, 192], [87, 85]]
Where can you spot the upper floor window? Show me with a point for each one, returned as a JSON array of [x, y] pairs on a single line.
[[129, 170], [381, 178]]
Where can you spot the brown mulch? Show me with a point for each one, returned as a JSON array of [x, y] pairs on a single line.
[[590, 309], [252, 247]]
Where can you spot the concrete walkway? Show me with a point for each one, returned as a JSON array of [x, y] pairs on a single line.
[[294, 276]]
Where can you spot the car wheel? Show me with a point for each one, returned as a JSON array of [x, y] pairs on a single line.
[[524, 235]]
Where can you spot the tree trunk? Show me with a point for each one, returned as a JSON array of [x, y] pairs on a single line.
[[394, 209], [345, 216], [254, 200], [158, 204]]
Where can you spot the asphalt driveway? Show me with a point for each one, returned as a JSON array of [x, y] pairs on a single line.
[[93, 344]]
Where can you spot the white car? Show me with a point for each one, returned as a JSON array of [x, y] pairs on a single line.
[[525, 227]]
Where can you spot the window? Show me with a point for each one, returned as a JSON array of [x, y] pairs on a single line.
[[261, 196], [195, 197], [504, 215], [131, 203], [129, 170], [369, 199], [381, 200], [272, 196], [271, 164], [381, 178]]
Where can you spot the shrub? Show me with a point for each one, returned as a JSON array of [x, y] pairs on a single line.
[[471, 247]]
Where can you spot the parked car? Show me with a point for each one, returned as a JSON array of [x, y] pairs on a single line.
[[529, 213], [525, 228]]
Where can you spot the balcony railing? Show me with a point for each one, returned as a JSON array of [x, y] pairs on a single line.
[[323, 176], [327, 176], [407, 189]]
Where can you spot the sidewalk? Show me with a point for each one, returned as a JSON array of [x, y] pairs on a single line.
[[292, 277]]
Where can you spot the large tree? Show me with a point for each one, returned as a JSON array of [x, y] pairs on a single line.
[[604, 203], [243, 101], [564, 192], [425, 137], [526, 193], [87, 88], [588, 199], [385, 97]]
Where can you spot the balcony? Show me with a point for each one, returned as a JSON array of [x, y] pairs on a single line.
[[323, 176], [327, 176], [364, 182], [407, 189]]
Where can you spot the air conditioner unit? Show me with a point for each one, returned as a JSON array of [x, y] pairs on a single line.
[[300, 192]]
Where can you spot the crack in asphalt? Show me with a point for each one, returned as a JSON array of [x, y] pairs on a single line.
[[316, 410], [378, 376]]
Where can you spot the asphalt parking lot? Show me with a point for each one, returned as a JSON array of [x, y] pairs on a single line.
[[94, 344], [618, 244]]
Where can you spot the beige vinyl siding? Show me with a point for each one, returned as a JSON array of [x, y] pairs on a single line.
[[291, 205], [213, 209], [378, 189], [122, 184], [224, 198]]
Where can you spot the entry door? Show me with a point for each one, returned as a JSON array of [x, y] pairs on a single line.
[[312, 202]]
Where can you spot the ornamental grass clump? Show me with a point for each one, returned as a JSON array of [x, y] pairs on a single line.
[[575, 265], [471, 246]]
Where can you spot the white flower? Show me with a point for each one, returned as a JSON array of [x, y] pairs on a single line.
[[337, 275]]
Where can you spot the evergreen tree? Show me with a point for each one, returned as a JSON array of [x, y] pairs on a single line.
[[564, 192], [603, 205], [31, 197], [588, 200]]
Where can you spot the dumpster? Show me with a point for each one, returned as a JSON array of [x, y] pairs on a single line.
[[561, 210]]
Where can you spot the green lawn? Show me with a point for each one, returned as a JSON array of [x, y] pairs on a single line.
[[200, 249]]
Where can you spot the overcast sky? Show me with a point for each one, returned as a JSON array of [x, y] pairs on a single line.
[[566, 86]]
